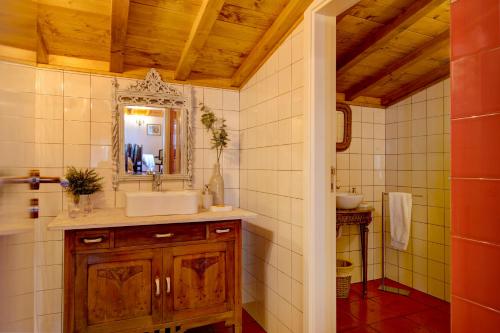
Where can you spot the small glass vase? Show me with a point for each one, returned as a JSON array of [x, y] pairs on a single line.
[[86, 206], [74, 210], [217, 186]]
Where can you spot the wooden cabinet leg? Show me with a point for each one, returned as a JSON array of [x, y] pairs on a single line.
[[238, 329], [363, 230]]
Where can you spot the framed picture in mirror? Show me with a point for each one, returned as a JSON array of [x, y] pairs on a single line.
[[154, 130]]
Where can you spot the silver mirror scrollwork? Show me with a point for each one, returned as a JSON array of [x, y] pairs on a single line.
[[152, 131]]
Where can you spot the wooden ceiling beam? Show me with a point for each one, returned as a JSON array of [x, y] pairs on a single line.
[[418, 85], [341, 16], [417, 10], [372, 102], [102, 68], [285, 20], [42, 53], [207, 15], [425, 51], [119, 22]]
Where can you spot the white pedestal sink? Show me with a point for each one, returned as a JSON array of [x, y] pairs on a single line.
[[161, 203], [347, 200]]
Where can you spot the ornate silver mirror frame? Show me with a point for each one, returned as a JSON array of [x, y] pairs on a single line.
[[151, 92]]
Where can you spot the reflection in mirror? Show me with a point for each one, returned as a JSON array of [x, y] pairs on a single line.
[[344, 123], [147, 131], [340, 126], [174, 141], [144, 139]]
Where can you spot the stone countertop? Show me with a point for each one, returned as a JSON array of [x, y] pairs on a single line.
[[357, 216], [115, 217], [356, 210]]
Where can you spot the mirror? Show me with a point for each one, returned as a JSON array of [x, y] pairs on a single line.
[[344, 123], [147, 131], [340, 126], [151, 131]]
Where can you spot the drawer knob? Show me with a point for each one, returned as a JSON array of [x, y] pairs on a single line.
[[222, 231], [92, 240], [167, 235]]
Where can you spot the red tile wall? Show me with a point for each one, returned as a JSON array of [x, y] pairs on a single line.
[[475, 166]]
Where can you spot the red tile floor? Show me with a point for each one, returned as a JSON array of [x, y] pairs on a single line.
[[249, 326], [379, 312], [383, 312]]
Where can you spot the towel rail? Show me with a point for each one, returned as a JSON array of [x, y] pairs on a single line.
[[34, 180], [382, 286]]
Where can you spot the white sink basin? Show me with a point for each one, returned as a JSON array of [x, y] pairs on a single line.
[[161, 203], [347, 200]]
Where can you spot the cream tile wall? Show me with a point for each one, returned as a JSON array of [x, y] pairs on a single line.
[[52, 119], [271, 129], [18, 152], [418, 161], [362, 166]]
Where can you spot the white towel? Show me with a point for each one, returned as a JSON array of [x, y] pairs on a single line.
[[400, 210]]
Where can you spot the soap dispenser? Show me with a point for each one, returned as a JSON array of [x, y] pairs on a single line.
[[208, 198]]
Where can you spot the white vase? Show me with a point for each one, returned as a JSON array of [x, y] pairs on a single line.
[[217, 186]]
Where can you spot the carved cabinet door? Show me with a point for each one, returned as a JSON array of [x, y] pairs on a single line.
[[118, 291], [201, 279]]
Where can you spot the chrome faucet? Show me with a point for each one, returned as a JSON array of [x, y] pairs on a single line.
[[156, 182]]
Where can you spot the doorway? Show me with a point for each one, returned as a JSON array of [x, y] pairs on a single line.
[[431, 90]]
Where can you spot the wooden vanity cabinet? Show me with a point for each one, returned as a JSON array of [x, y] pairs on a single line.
[[115, 290], [187, 275]]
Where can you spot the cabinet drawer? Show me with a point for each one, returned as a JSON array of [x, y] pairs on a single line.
[[160, 234], [92, 239], [222, 230]]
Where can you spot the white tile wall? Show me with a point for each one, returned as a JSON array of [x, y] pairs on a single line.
[[271, 139], [18, 149], [52, 119], [418, 161], [362, 166], [63, 118]]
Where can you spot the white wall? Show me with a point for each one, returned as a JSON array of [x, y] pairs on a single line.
[[415, 159], [51, 119], [362, 166], [138, 134], [271, 119], [418, 162], [18, 152]]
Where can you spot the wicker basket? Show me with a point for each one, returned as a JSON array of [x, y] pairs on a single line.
[[344, 273]]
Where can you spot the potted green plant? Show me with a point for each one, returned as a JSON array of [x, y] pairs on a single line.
[[80, 184], [219, 137]]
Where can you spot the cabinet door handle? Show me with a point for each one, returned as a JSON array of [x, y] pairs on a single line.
[[222, 231], [92, 240], [157, 283], [168, 284], [167, 235]]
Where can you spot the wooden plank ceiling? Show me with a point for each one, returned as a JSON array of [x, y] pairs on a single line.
[[390, 49], [386, 49], [207, 42]]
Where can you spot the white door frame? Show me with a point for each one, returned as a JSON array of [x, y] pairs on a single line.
[[320, 156]]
